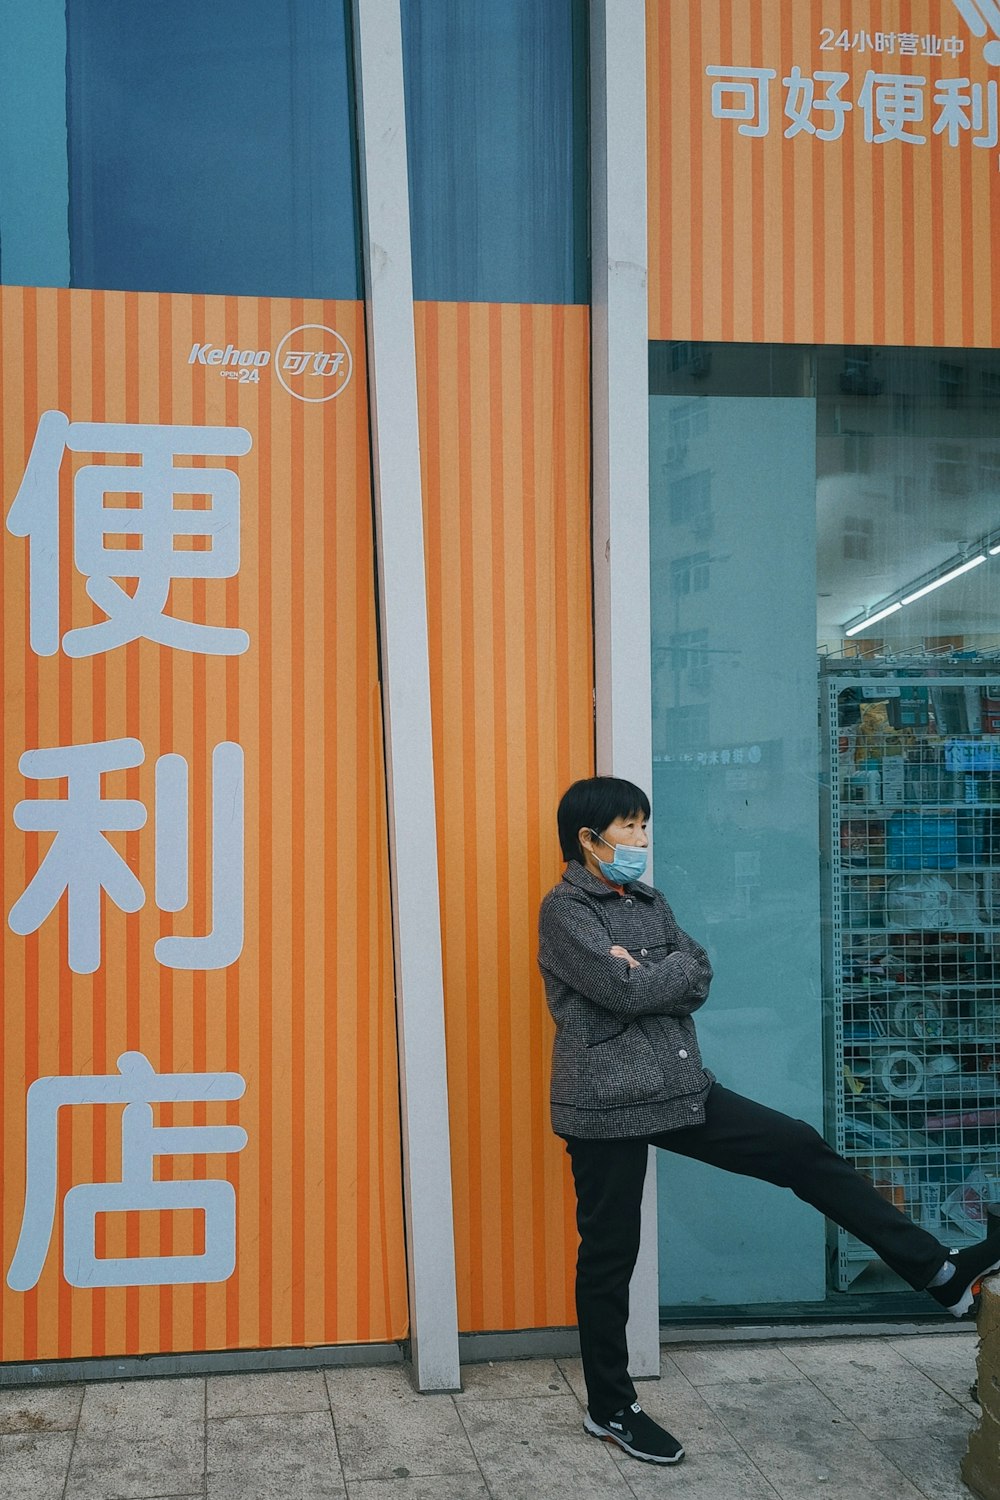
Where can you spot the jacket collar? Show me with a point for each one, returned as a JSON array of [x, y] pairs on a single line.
[[576, 874]]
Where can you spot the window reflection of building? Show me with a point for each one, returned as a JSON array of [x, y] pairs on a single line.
[[691, 574], [691, 658], [687, 728], [907, 471], [691, 500]]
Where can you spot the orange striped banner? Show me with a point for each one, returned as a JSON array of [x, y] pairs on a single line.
[[304, 1014], [824, 172], [505, 441]]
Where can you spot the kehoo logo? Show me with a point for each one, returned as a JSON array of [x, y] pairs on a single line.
[[313, 362]]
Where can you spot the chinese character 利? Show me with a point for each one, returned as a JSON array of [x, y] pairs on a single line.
[[964, 106], [83, 864]]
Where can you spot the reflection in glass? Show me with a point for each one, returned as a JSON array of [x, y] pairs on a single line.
[[211, 147], [496, 118], [797, 493]]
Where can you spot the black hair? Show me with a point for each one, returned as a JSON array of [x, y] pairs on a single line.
[[594, 803]]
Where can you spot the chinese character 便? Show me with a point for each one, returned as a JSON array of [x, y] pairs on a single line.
[[891, 102], [157, 524]]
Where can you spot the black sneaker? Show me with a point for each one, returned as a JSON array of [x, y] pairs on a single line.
[[961, 1290], [638, 1434]]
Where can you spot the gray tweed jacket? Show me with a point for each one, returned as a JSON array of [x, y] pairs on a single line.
[[625, 1060]]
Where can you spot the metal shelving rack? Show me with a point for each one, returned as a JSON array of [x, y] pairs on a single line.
[[911, 853]]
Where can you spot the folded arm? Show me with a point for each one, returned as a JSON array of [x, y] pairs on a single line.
[[575, 949]]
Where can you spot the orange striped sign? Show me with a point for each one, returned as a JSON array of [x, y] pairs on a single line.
[[824, 171], [504, 396], [286, 1048]]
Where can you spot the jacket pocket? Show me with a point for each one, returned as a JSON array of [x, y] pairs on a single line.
[[620, 1069], [565, 1071]]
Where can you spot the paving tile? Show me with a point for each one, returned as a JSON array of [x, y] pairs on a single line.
[[707, 1476], [879, 1353], [844, 1419], [292, 1455], [781, 1410], [139, 1438], [512, 1378], [572, 1370], [931, 1456], [949, 1359], [874, 1386], [383, 1425], [800, 1440], [710, 1363], [271, 1391], [805, 1474], [52, 1409], [33, 1465], [527, 1452], [420, 1487], [133, 1405], [125, 1469]]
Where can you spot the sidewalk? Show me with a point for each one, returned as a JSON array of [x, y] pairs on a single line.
[[843, 1419]]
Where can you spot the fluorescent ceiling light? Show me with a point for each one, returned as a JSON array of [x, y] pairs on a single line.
[[873, 619], [927, 588], [945, 578]]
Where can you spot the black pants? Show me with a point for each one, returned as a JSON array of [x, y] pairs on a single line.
[[743, 1137]]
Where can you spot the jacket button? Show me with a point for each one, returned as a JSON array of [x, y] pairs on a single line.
[[643, 952], [682, 1052], [628, 900], [694, 1108]]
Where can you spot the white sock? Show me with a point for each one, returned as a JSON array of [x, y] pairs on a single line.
[[945, 1274]]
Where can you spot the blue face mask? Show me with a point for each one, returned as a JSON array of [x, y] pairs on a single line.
[[628, 864]]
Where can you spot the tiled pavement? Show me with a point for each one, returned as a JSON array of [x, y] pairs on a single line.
[[842, 1419]]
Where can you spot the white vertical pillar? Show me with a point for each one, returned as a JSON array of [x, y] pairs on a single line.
[[620, 402], [399, 540]]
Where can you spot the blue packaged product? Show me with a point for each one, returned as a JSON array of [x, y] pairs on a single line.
[[922, 841], [972, 755]]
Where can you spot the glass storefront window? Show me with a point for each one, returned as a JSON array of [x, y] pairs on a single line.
[[188, 147], [796, 493], [496, 118]]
